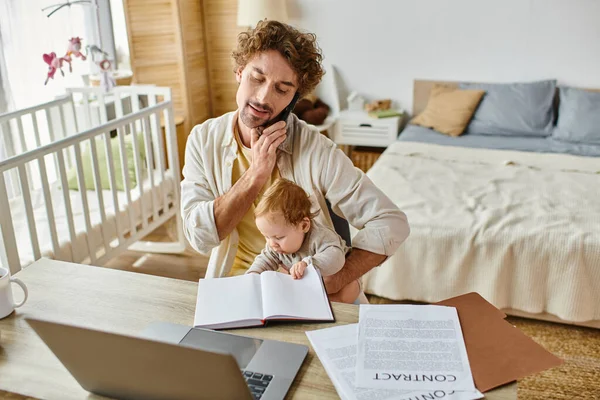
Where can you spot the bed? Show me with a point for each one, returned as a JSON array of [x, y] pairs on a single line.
[[515, 219], [87, 175]]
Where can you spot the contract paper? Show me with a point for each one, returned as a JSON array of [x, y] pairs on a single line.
[[337, 349], [412, 347]]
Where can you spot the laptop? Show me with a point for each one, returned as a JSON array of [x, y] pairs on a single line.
[[170, 361]]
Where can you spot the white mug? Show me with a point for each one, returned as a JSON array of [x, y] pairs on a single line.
[[7, 302]]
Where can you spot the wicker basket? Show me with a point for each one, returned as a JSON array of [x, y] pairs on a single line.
[[364, 157]]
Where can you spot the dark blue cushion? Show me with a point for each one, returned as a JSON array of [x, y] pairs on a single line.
[[514, 109], [578, 116]]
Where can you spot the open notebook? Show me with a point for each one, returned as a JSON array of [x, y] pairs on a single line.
[[251, 300]]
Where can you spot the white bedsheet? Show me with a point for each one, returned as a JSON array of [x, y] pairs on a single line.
[[80, 248], [522, 229]]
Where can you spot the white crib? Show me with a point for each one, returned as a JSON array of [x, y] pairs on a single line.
[[41, 213]]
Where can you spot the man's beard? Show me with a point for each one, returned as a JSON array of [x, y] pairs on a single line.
[[252, 121]]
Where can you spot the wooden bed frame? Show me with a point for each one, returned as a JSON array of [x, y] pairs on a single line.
[[421, 90]]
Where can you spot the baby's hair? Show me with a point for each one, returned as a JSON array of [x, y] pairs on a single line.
[[287, 198]]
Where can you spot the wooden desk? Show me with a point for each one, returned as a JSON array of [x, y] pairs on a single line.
[[125, 302]]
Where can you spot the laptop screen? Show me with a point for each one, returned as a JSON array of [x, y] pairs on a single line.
[[241, 348]]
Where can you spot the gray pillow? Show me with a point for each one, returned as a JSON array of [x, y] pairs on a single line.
[[578, 116], [514, 109]]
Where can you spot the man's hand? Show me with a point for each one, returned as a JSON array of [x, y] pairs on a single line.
[[264, 149], [297, 269], [332, 284], [230, 208]]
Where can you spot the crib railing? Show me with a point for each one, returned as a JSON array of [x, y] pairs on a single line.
[[57, 144], [30, 128]]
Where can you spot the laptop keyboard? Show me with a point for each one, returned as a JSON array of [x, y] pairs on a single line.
[[257, 383]]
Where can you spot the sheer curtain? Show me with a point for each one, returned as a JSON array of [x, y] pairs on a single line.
[[4, 95], [26, 34]]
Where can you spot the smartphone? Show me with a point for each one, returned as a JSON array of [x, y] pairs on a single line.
[[283, 116]]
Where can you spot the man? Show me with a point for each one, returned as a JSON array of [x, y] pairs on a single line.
[[231, 160]]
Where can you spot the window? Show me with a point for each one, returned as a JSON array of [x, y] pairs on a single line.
[[26, 33], [119, 29]]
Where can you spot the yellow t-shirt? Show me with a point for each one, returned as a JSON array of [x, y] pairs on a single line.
[[252, 242]]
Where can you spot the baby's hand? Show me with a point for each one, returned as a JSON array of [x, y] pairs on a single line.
[[297, 270]]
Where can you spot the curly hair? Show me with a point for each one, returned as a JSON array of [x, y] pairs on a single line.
[[299, 49], [287, 198]]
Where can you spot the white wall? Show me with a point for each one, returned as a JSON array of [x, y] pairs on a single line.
[[381, 46]]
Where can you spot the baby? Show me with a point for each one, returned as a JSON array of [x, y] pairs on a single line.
[[294, 240]]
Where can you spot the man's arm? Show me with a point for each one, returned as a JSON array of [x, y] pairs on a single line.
[[208, 219], [382, 226], [230, 208]]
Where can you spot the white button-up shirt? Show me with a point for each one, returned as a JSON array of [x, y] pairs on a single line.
[[307, 158]]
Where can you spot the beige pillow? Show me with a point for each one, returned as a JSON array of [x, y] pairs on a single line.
[[449, 109]]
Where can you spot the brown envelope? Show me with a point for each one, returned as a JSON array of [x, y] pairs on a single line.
[[498, 352]]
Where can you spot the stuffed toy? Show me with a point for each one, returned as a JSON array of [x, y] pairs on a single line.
[[311, 110], [107, 80], [74, 49], [54, 63], [93, 50]]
